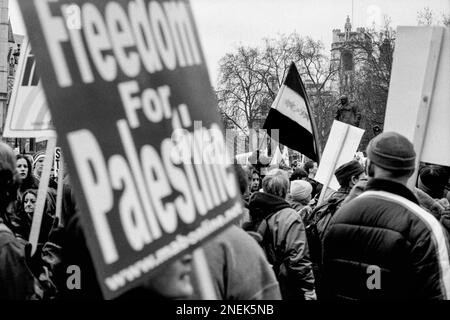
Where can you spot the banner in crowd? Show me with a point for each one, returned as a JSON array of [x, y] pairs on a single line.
[[137, 121], [28, 115], [291, 115], [342, 143]]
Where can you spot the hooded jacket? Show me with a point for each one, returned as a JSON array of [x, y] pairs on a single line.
[[285, 244], [383, 245]]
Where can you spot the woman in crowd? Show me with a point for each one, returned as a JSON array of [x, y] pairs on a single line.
[[25, 217], [27, 180], [16, 280]]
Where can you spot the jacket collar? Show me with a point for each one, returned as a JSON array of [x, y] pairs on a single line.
[[392, 187]]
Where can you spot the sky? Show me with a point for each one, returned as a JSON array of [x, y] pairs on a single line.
[[224, 24]]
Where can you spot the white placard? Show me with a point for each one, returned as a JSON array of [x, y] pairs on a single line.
[[341, 146], [405, 92], [28, 115]]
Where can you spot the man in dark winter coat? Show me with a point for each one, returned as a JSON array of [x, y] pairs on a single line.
[[284, 237], [382, 244]]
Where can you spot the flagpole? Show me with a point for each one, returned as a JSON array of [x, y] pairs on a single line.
[[313, 123]]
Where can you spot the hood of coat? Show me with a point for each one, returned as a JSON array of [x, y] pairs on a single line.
[[262, 204]]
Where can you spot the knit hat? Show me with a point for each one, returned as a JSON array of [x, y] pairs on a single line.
[[300, 190], [392, 151], [37, 156], [347, 170]]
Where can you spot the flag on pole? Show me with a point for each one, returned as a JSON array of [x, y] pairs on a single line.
[[290, 114]]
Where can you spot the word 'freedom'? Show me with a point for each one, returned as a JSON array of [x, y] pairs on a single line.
[[155, 36]]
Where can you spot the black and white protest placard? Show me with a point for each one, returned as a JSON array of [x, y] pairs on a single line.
[[128, 89]]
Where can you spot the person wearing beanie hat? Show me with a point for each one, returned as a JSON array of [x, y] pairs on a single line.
[[300, 193], [38, 167], [349, 173], [382, 245], [38, 164]]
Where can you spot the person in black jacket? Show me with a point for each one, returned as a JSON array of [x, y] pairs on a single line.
[[382, 244]]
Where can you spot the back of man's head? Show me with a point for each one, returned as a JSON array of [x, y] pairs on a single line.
[[394, 154], [276, 182], [298, 174]]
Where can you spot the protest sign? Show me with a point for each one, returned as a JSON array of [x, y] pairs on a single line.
[[342, 143], [28, 115], [418, 105], [42, 195], [138, 125]]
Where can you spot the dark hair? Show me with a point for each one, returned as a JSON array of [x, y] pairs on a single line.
[[298, 174], [308, 166], [8, 176], [32, 191], [259, 178], [255, 172], [433, 178], [29, 182]]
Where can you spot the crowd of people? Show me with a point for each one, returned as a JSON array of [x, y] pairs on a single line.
[[374, 238]]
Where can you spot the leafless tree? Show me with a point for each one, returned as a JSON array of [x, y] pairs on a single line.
[[249, 78], [426, 17]]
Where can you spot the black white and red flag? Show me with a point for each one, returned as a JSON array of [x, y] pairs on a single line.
[[291, 115]]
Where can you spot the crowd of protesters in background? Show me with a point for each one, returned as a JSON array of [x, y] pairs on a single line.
[[285, 246]]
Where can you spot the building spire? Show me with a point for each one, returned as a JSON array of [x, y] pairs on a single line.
[[348, 25], [348, 28]]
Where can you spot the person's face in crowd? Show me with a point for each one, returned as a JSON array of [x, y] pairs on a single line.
[[174, 280], [29, 203], [39, 167], [53, 173], [22, 168], [255, 182], [313, 170], [370, 172], [356, 179]]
